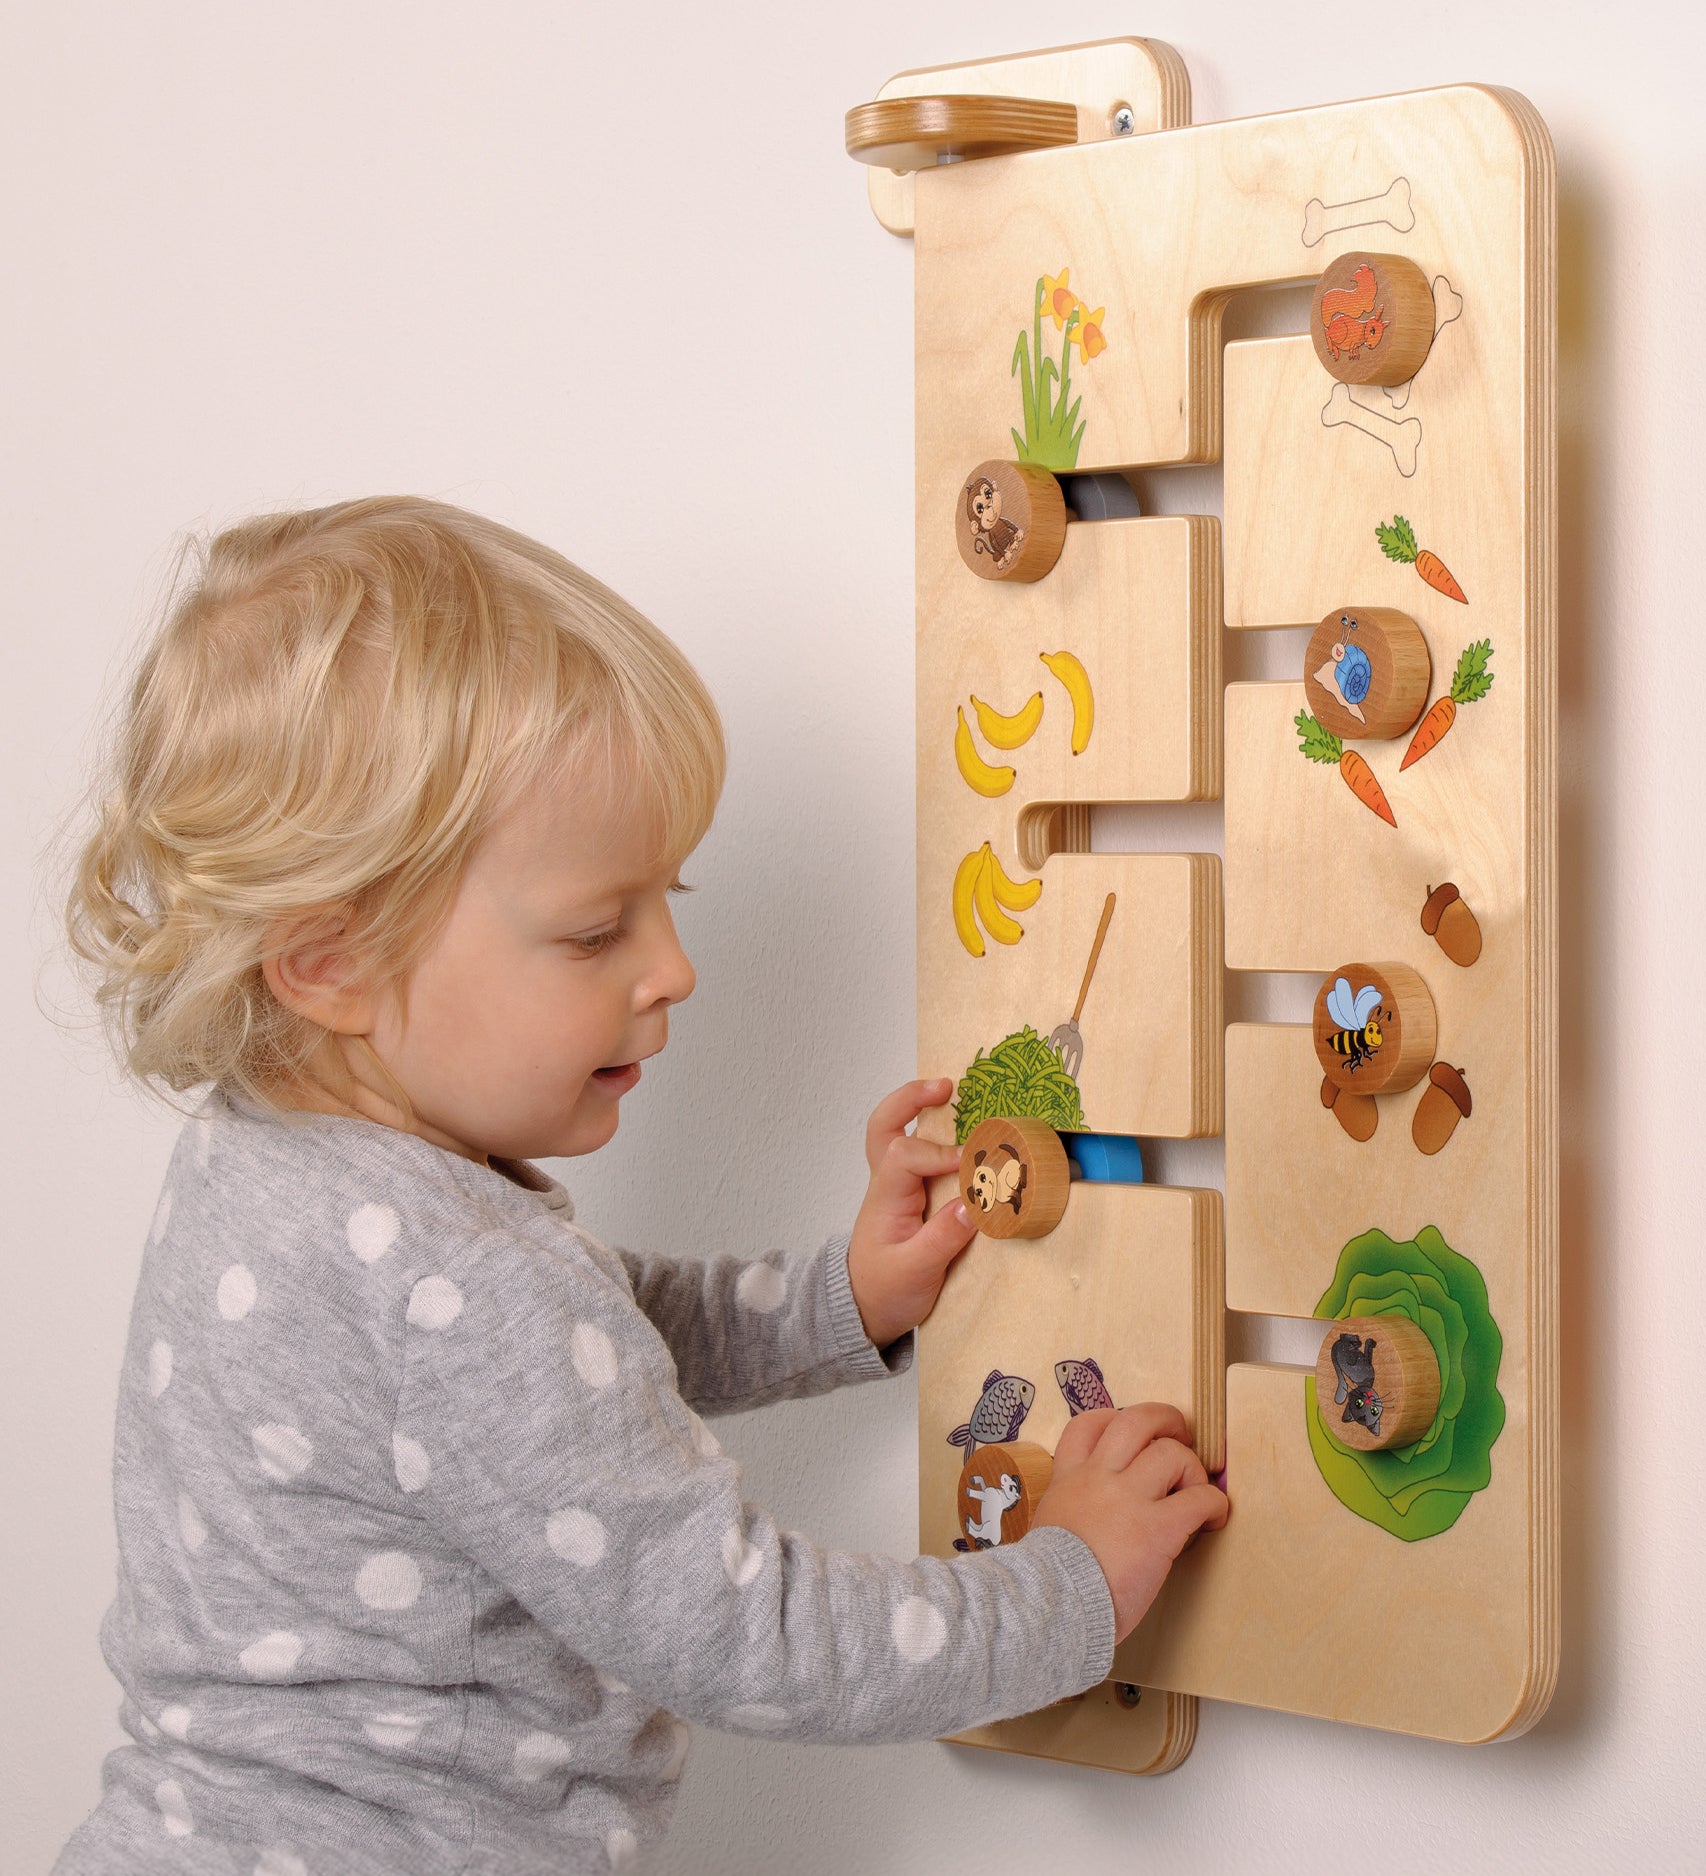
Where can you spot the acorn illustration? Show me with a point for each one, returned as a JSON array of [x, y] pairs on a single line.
[[1447, 919], [1356, 1113], [1445, 1101]]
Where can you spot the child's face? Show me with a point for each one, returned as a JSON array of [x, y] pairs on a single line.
[[549, 985]]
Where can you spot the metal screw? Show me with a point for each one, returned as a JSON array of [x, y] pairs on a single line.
[[1126, 1694], [1123, 119]]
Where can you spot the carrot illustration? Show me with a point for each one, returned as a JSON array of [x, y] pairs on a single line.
[[1398, 542], [1321, 745], [1470, 682]]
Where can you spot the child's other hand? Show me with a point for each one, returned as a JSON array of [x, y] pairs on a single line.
[[1126, 1482], [895, 1262]]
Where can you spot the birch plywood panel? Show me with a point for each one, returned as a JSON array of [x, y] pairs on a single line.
[[1160, 230], [1131, 1269], [1297, 1604], [1068, 312]]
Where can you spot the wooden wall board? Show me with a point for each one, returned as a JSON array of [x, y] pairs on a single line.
[[1153, 1022], [1301, 1605], [1143, 74], [1135, 1269], [1162, 229], [1127, 253]]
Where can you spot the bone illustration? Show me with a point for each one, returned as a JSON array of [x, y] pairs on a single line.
[[1448, 305], [1321, 219], [1402, 438]]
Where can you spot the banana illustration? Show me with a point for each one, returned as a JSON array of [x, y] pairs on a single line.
[[981, 890], [1004, 930], [965, 882], [1009, 732], [983, 776], [1077, 681], [1016, 895]]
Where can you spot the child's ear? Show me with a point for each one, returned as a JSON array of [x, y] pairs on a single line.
[[317, 979]]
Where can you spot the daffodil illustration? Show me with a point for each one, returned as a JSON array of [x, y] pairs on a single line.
[[1053, 431], [1087, 335], [1058, 297]]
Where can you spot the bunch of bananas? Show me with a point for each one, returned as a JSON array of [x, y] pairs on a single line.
[[1012, 732], [982, 891]]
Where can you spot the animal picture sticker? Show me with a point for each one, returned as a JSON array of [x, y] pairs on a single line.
[[999, 1490], [1373, 318], [1375, 1028], [1014, 1177], [1053, 429], [1010, 521], [1366, 672], [1353, 1370]]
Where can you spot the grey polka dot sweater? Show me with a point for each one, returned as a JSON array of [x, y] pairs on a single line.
[[427, 1561]]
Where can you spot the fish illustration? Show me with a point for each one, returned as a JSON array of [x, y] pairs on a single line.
[[1000, 1411], [1082, 1384]]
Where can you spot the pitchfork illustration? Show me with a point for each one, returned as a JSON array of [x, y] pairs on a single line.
[[1066, 1040]]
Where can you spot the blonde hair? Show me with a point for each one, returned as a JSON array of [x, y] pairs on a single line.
[[321, 728]]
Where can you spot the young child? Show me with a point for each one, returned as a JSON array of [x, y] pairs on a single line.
[[427, 1559]]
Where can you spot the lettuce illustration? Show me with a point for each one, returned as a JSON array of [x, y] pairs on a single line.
[[1418, 1490], [1020, 1078]]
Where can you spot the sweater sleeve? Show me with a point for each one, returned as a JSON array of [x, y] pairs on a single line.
[[773, 1328], [564, 1461]]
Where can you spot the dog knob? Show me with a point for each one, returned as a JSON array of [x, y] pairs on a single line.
[[1014, 1178], [998, 1492]]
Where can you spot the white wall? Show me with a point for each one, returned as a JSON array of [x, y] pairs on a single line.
[[509, 255]]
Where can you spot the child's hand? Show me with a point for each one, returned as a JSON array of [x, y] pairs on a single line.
[[1125, 1482], [895, 1264]]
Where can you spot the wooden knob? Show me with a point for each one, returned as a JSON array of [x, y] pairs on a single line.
[[1377, 1382], [918, 133], [1010, 521], [1373, 319], [1367, 672], [1014, 1177], [1375, 1028], [998, 1492]]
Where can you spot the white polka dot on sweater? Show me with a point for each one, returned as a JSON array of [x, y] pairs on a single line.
[[278, 1861], [236, 1293], [273, 1655], [283, 1452], [162, 1216], [593, 1356], [176, 1721], [190, 1526], [919, 1630], [392, 1732], [576, 1536], [622, 1848], [434, 1303], [174, 1808], [741, 1561], [610, 1683], [758, 1718], [539, 1753], [409, 1462], [159, 1368], [372, 1230], [762, 1287], [390, 1579]]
